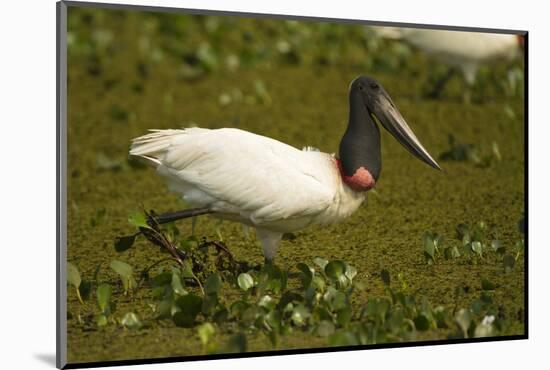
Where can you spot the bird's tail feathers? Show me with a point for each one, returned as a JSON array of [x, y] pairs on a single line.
[[153, 145]]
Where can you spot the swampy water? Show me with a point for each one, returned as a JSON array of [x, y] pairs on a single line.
[[130, 72]]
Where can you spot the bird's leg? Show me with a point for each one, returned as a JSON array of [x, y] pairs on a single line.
[[270, 243], [437, 89], [173, 216]]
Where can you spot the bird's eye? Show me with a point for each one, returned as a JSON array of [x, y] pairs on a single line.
[[360, 87], [374, 86]]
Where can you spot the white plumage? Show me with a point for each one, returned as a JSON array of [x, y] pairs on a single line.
[[251, 179], [462, 49]]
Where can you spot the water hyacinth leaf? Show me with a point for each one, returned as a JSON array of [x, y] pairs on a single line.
[[306, 274], [485, 328], [273, 319], [462, 230], [508, 262], [164, 309], [213, 284], [339, 301], [73, 276], [487, 285], [245, 281], [104, 292], [137, 219], [190, 303], [321, 262], [190, 306], [126, 273], [183, 319], [325, 328], [131, 321], [343, 316], [300, 314], [497, 246], [121, 268], [101, 320], [176, 283], [385, 275], [351, 272], [477, 247], [123, 243], [187, 270], [267, 302], [463, 318], [335, 269], [206, 332], [421, 322]]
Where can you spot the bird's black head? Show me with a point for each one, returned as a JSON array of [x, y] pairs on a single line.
[[360, 146]]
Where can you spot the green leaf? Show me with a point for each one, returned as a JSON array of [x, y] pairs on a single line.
[[477, 248], [101, 320], [321, 262], [267, 302], [206, 332], [508, 261], [73, 276], [487, 285], [335, 269], [121, 268], [164, 309], [123, 243], [497, 246], [385, 275], [343, 316], [325, 328], [190, 306], [138, 220], [351, 272], [187, 270], [131, 321], [421, 322], [463, 318], [300, 314], [306, 274], [104, 292], [245, 281], [213, 284], [176, 283], [190, 303], [463, 230], [126, 273], [183, 319]]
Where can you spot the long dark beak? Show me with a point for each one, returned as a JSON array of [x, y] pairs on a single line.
[[385, 110]]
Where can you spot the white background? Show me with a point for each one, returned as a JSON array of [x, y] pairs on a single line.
[[27, 148]]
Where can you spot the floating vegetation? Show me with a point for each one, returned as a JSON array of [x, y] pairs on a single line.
[[472, 243], [314, 298], [471, 153]]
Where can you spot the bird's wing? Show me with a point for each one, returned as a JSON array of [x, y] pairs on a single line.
[[236, 171]]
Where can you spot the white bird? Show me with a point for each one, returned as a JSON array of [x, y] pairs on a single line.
[[240, 176], [460, 49]]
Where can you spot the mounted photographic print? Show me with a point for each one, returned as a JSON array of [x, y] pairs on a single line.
[[237, 184]]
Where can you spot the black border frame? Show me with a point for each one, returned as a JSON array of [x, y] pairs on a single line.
[[61, 191]]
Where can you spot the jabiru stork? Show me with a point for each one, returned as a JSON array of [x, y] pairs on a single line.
[[236, 175], [463, 50]]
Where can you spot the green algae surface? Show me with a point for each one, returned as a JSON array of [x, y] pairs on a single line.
[[130, 72]]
